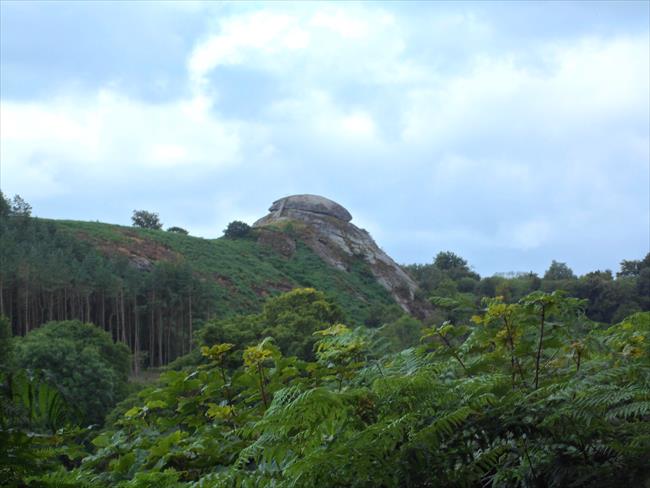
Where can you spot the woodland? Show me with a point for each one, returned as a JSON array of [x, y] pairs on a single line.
[[165, 374]]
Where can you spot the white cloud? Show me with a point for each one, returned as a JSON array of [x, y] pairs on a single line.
[[589, 80], [485, 141], [46, 147], [317, 114], [262, 32], [300, 43]]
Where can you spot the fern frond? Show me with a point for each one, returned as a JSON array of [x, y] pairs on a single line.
[[634, 409]]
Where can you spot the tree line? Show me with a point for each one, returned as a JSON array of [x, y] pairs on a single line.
[[49, 275], [610, 297]]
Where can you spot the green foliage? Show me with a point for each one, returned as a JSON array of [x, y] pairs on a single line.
[[381, 314], [528, 394], [290, 318], [237, 230], [41, 404], [453, 264], [444, 275], [609, 299], [153, 290], [6, 347], [5, 206], [35, 431], [30, 458], [177, 230], [16, 207], [558, 271], [293, 317], [400, 334], [146, 220], [82, 361]]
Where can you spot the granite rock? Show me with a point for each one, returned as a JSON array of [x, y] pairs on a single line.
[[325, 226]]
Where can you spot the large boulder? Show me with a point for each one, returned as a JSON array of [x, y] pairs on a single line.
[[326, 228], [302, 207]]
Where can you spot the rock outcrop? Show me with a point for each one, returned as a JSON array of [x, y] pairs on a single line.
[[325, 227]]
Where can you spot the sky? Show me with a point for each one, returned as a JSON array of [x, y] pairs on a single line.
[[511, 133]]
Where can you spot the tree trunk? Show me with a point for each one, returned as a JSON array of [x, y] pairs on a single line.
[[123, 317], [151, 330], [26, 309], [160, 338], [191, 331], [136, 338], [103, 310], [168, 340]]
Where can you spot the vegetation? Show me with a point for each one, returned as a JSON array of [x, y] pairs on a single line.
[[146, 220], [609, 298], [284, 372], [291, 319], [178, 230], [50, 275], [524, 394], [81, 361], [152, 289], [237, 230]]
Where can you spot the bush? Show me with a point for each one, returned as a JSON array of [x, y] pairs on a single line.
[[146, 220], [177, 230], [237, 230], [82, 361]]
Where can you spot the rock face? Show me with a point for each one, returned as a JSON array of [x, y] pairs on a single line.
[[325, 227], [310, 204]]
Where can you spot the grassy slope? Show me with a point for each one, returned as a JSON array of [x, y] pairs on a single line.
[[242, 271]]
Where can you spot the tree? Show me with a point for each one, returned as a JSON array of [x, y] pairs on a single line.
[[5, 205], [447, 260], [6, 347], [559, 271], [20, 207], [402, 333], [291, 319], [237, 230], [634, 267], [82, 361], [455, 266], [177, 230], [146, 220]]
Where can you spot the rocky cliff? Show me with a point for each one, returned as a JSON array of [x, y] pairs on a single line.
[[325, 226]]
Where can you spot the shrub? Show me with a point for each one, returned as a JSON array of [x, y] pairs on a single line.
[[237, 230], [177, 230], [82, 361], [146, 220]]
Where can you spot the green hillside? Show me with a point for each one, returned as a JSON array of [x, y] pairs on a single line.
[[243, 272], [152, 288]]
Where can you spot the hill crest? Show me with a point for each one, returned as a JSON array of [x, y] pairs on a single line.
[[326, 228]]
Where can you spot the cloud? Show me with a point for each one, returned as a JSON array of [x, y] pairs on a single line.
[[301, 42], [589, 79], [110, 135], [441, 127]]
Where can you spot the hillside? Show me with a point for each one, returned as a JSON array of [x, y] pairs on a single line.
[[151, 289], [241, 272]]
